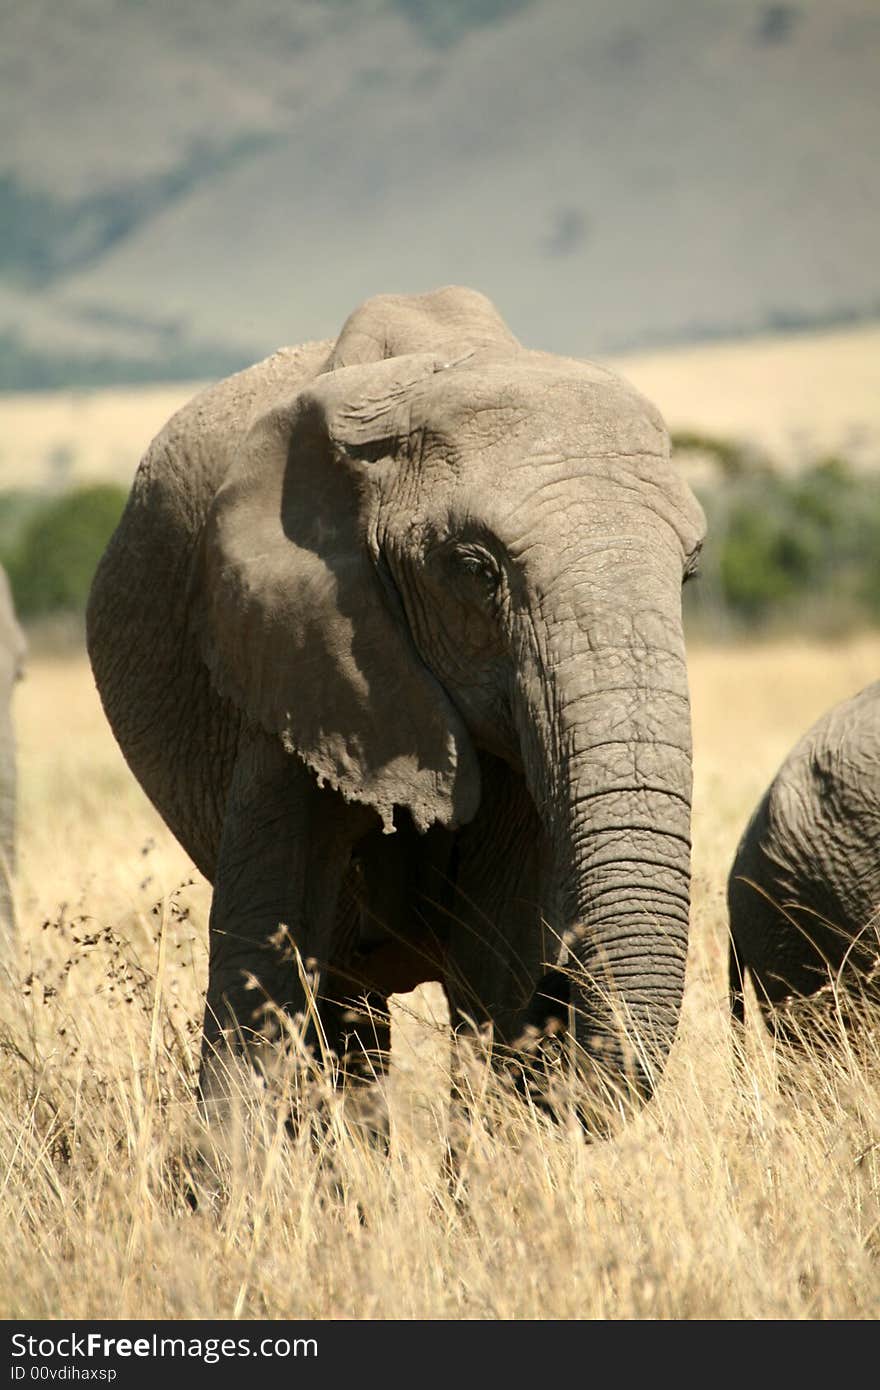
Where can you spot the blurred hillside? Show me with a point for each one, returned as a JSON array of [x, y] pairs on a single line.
[[185, 186]]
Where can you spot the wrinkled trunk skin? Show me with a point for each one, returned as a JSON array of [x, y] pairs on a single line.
[[611, 766]]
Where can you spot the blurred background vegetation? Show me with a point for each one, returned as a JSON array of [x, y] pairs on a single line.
[[786, 551], [50, 545]]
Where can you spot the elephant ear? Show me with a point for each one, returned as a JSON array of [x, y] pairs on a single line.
[[299, 628]]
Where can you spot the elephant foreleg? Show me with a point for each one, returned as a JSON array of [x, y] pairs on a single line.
[[285, 847]]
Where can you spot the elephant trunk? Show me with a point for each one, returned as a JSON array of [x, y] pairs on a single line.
[[614, 778]]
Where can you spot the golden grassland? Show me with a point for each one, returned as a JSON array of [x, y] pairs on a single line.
[[750, 1192], [795, 395]]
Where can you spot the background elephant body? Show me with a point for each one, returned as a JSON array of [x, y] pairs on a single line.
[[422, 581], [805, 882], [12, 651]]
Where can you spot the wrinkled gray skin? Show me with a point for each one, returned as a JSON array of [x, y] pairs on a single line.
[[806, 878], [12, 652], [419, 578]]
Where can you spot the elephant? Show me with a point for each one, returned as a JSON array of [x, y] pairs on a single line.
[[805, 881], [390, 633], [12, 654]]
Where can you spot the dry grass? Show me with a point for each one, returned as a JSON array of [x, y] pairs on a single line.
[[795, 395], [57, 437], [737, 1193]]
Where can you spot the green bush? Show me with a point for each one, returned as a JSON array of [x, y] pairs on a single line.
[[762, 561], [792, 549], [17, 506], [54, 552]]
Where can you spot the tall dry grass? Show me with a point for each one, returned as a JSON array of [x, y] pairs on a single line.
[[748, 1190]]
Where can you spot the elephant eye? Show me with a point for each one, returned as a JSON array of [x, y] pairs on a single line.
[[476, 567]]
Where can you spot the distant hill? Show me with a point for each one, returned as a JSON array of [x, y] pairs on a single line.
[[182, 188]]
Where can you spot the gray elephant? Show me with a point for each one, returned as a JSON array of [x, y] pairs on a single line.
[[12, 653], [418, 580], [805, 882]]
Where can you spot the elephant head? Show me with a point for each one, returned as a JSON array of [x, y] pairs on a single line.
[[444, 552]]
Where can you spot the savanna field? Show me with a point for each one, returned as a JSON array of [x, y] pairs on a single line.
[[685, 191], [749, 1193], [747, 1190]]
